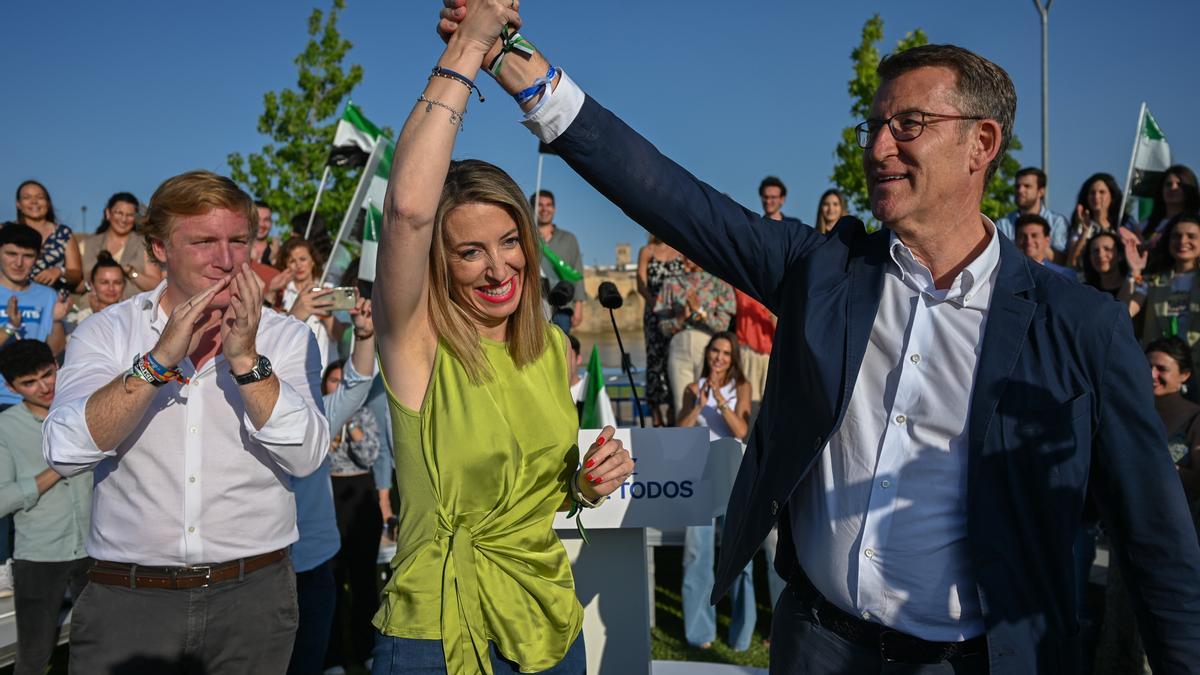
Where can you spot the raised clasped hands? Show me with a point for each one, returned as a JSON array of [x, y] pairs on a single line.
[[478, 29], [605, 466], [188, 323]]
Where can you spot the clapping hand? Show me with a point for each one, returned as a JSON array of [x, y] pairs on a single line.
[[62, 305], [239, 322], [188, 323], [1135, 256], [605, 466], [14, 312]]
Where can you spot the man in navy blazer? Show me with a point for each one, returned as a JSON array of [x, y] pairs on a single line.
[[938, 408]]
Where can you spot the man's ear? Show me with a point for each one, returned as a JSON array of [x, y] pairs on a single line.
[[987, 139], [159, 250]]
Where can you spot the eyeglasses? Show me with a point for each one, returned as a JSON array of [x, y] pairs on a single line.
[[905, 126]]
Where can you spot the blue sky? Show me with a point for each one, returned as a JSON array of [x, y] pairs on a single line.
[[104, 97]]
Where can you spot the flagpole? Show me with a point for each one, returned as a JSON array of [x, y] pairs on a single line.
[[360, 194], [1137, 134], [313, 213], [537, 190]]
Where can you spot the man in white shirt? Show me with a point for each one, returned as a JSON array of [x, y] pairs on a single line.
[[194, 448]]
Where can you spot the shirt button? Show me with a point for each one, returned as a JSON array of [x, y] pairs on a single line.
[[192, 479], [866, 614], [901, 419], [870, 553], [193, 430], [885, 484], [191, 530], [774, 507], [915, 358]]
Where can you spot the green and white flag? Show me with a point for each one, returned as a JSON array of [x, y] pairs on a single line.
[[370, 242], [1147, 167], [354, 138]]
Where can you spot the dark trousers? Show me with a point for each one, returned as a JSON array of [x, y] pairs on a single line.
[[39, 593], [800, 645], [407, 656], [360, 524], [315, 594], [231, 627]]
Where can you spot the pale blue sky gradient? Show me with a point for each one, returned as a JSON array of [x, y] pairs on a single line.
[[104, 97]]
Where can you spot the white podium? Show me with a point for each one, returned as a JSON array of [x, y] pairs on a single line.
[[680, 480]]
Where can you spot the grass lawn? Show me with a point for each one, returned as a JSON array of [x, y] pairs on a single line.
[[667, 641]]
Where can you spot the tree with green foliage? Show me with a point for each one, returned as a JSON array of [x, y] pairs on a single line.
[[848, 175], [300, 123]]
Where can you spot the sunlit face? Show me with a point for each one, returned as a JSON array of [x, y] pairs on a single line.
[[38, 387], [486, 261], [301, 264], [1099, 198], [772, 200], [16, 263], [33, 203], [202, 250], [831, 209], [1165, 374], [1102, 253], [545, 210], [1185, 242], [719, 356], [1029, 194], [109, 285], [333, 380], [912, 182], [121, 218], [1172, 189], [264, 222], [1033, 242]]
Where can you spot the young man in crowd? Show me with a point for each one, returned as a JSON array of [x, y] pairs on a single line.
[[1033, 238], [1031, 196], [197, 408], [27, 309], [561, 260], [773, 194], [52, 514]]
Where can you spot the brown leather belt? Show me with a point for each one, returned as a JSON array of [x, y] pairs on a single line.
[[132, 575]]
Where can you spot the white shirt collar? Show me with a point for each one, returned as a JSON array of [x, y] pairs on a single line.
[[966, 288]]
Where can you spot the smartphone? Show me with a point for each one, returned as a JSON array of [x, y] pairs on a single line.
[[344, 297]]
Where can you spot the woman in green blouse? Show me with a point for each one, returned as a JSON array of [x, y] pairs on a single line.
[[484, 424]]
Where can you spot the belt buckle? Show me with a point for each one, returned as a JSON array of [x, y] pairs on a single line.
[[206, 569]]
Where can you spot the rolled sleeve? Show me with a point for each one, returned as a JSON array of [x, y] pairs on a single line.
[[89, 364], [297, 433], [341, 405], [67, 443]]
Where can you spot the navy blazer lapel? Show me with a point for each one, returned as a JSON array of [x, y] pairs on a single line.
[[868, 261], [1006, 332]]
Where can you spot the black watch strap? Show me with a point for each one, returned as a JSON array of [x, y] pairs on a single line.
[[261, 371]]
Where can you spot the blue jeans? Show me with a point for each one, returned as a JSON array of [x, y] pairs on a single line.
[[408, 656], [699, 615], [315, 597]]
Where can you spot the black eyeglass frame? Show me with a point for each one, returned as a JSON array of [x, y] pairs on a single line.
[[865, 134]]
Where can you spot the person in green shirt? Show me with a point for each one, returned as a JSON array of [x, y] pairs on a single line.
[[52, 514], [484, 427]]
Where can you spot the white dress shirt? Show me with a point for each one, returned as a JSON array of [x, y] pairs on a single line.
[[194, 481], [880, 522]]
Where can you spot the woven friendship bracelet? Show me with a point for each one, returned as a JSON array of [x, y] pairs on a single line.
[[467, 82], [514, 42]]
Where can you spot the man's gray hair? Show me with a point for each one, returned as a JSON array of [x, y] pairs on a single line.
[[984, 88]]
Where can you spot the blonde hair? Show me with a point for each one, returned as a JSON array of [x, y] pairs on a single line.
[[191, 194], [473, 181]]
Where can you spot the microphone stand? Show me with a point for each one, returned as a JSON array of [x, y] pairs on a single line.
[[627, 366]]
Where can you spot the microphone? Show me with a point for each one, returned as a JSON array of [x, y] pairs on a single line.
[[610, 298], [561, 295]]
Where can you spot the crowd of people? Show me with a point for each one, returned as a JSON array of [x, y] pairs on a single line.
[[203, 451]]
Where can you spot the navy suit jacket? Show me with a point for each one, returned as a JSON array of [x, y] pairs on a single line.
[[1062, 408]]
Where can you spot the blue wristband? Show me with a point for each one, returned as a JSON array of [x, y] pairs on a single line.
[[534, 89], [439, 71]]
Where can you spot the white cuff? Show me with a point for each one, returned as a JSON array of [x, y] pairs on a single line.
[[556, 111], [287, 423], [67, 443]]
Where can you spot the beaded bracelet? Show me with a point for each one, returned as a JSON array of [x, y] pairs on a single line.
[[525, 95], [467, 82]]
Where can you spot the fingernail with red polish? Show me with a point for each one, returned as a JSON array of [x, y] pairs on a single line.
[[589, 477], [590, 463], [596, 479], [600, 440]]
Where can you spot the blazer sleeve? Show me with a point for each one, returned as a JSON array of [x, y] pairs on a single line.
[[727, 240], [1141, 499]]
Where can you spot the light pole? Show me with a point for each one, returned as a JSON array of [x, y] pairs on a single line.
[[1044, 11], [83, 219]]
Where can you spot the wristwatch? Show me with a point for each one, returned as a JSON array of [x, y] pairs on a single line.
[[260, 371]]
